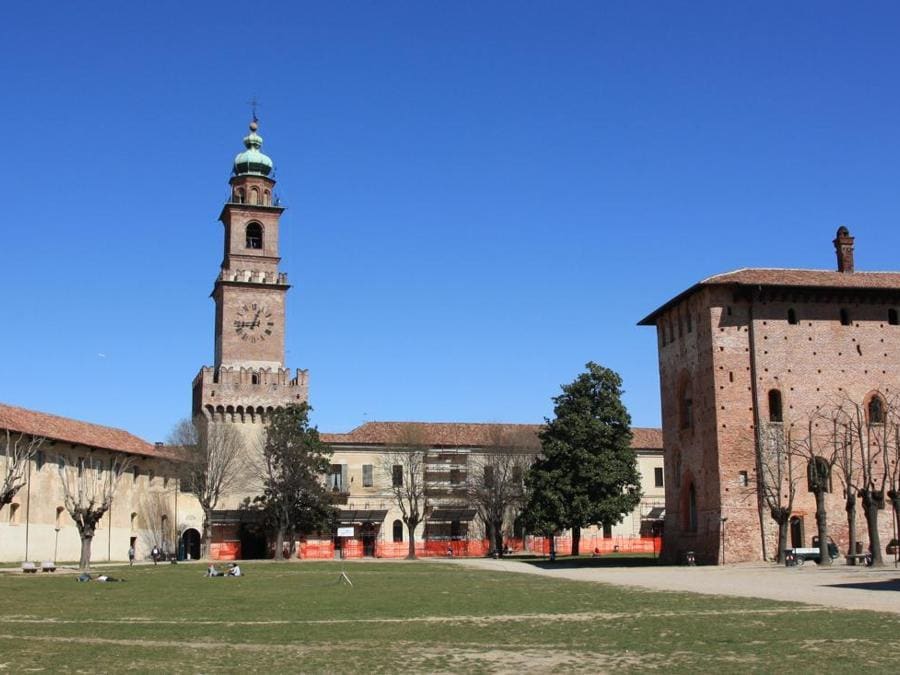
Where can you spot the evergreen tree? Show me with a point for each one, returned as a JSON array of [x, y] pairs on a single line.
[[587, 473], [294, 498]]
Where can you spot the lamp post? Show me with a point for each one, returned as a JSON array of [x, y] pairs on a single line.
[[56, 544], [724, 519]]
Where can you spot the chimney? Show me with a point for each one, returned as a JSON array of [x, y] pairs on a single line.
[[843, 246]]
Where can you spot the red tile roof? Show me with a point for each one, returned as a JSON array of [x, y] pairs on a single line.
[[459, 434], [786, 277], [74, 431]]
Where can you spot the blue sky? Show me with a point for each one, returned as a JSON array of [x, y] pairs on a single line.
[[482, 196]]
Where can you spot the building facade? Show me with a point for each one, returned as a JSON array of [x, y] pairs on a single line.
[[752, 353], [148, 508]]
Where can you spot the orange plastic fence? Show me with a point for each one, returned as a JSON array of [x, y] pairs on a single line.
[[317, 549], [225, 550], [598, 545]]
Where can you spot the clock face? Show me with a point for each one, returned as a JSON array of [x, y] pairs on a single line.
[[254, 322]]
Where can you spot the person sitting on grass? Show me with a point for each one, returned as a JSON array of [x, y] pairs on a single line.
[[211, 571], [106, 577], [234, 570]]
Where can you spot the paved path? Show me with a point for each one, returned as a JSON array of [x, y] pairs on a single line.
[[841, 586]]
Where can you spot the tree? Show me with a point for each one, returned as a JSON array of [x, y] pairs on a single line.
[[88, 491], [545, 500], [872, 428], [208, 466], [820, 452], [158, 524], [776, 477], [294, 498], [404, 468], [18, 449], [495, 479], [587, 449], [847, 462]]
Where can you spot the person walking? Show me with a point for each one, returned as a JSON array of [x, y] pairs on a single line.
[[131, 555], [155, 554]]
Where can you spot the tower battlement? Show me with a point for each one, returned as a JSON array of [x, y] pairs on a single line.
[[247, 391], [254, 276]]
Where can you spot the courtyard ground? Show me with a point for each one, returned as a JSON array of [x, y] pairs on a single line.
[[425, 616], [837, 586]]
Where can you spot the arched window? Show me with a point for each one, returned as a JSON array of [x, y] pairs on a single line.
[[254, 196], [267, 198], [818, 475], [239, 195], [254, 235], [398, 531], [254, 379], [892, 317], [792, 316], [775, 412], [845, 317], [876, 410]]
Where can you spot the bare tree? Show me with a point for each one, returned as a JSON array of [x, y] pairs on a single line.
[[18, 449], [404, 468], [818, 450], [777, 479], [88, 491], [495, 482], [209, 468], [847, 461], [872, 429], [156, 517], [892, 467]]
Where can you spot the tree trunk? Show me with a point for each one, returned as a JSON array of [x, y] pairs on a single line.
[[822, 528], [870, 510], [411, 527], [497, 528], [85, 561], [207, 534], [279, 544], [850, 508], [782, 539], [552, 547], [576, 540]]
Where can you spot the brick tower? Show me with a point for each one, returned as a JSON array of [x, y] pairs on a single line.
[[248, 379]]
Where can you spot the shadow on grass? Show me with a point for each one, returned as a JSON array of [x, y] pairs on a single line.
[[886, 585], [562, 563]]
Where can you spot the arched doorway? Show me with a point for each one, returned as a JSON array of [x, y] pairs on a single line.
[[797, 533], [190, 541]]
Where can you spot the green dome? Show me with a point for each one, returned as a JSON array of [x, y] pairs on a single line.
[[251, 161]]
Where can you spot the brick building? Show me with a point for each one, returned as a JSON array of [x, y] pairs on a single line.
[[755, 349]]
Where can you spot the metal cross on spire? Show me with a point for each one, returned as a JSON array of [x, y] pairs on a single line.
[[253, 103]]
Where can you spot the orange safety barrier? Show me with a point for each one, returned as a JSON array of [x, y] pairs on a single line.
[[596, 545], [316, 549], [225, 550]]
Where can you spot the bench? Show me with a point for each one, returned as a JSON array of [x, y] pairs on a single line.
[[29, 568], [48, 566], [852, 558]]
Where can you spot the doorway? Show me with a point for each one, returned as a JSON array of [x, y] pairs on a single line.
[[797, 537], [369, 534], [190, 541]]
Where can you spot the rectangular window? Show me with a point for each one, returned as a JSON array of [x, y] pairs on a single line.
[[455, 476], [39, 460], [658, 476], [335, 478], [368, 480], [743, 479], [397, 475], [13, 514]]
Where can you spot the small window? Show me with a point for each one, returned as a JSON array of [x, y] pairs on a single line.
[[876, 410], [239, 195], [397, 475], [59, 515], [39, 460], [792, 316], [13, 514], [368, 479], [254, 236], [398, 531], [335, 478], [135, 474], [254, 196], [743, 479], [845, 317], [892, 317], [455, 476], [658, 476], [254, 378], [775, 412]]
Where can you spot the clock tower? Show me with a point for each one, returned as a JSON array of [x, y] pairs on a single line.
[[248, 378]]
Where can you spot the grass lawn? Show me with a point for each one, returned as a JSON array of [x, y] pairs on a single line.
[[425, 616]]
